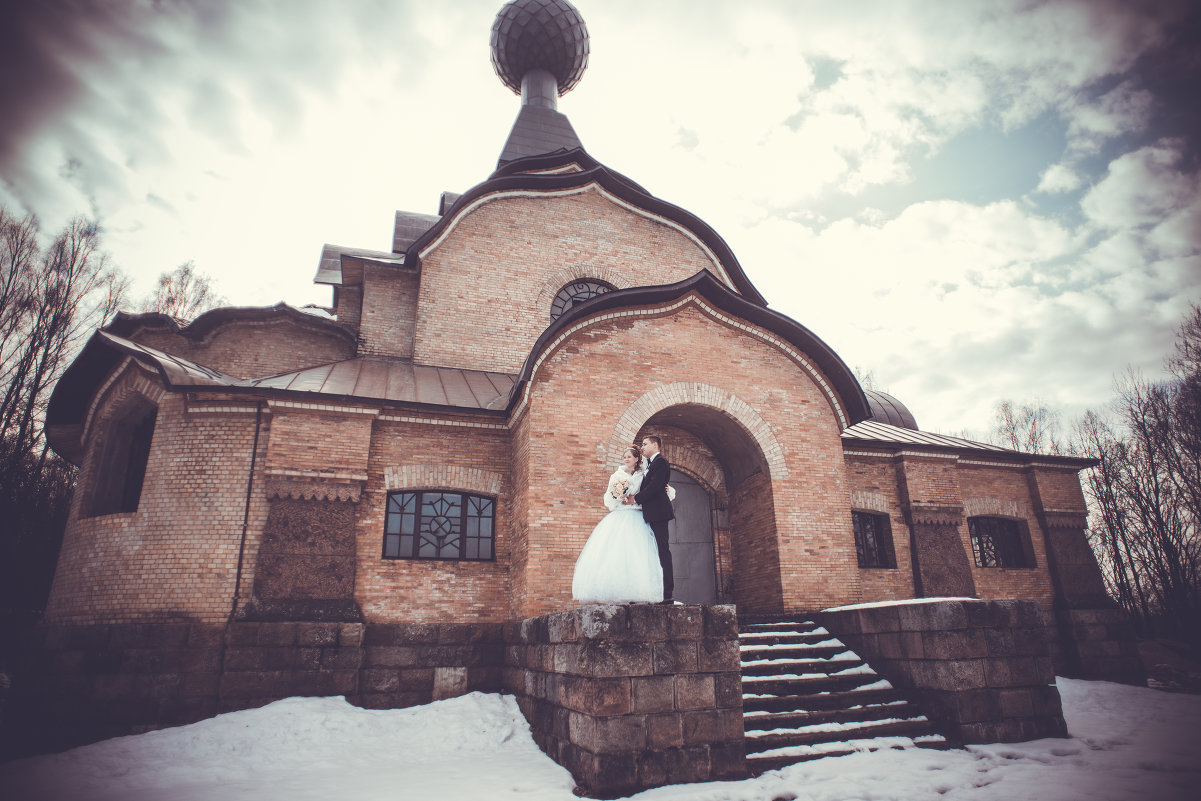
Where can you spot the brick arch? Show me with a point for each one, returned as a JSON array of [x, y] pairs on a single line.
[[443, 476], [130, 379], [575, 272], [682, 393], [707, 473]]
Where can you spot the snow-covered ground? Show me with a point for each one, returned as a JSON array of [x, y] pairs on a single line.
[[1127, 743]]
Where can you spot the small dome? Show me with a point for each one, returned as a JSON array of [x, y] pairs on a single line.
[[539, 35], [887, 409]]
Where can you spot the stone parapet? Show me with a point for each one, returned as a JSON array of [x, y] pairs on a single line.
[[632, 696], [981, 670]]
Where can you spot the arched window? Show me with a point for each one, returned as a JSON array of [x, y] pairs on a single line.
[[121, 469], [577, 292], [436, 524], [1000, 542]]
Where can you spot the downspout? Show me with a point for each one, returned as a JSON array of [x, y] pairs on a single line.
[[258, 422]]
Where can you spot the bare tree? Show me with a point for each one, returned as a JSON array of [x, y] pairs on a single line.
[[1146, 491], [183, 293], [51, 298], [1029, 427]]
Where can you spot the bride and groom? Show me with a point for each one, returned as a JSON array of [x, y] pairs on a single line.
[[627, 559]]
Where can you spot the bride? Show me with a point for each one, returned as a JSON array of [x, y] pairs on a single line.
[[620, 561]]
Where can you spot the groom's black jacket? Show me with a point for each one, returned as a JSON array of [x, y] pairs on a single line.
[[653, 495]]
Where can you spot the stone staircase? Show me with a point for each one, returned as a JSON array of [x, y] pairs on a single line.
[[806, 696]]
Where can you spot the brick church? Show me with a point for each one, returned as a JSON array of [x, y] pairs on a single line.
[[432, 448]]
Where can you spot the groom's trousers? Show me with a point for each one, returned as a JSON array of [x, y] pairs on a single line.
[[659, 527]]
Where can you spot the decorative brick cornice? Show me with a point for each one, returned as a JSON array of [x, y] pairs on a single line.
[[1063, 518], [933, 515], [444, 476], [294, 485]]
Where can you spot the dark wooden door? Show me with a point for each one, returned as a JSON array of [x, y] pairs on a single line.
[[691, 537]]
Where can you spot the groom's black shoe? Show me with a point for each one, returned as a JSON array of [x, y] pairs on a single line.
[[668, 602]]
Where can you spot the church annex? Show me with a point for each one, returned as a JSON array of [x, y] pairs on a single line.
[[420, 464]]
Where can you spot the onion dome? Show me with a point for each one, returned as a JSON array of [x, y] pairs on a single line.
[[547, 35]]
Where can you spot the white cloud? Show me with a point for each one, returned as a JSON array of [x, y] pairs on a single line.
[[1058, 178], [1142, 188]]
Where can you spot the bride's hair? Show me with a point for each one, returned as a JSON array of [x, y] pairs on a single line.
[[637, 455]]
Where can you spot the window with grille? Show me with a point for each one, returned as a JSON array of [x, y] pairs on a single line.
[[873, 540], [999, 542], [576, 292], [433, 524]]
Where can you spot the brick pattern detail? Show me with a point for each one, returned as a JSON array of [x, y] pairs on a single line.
[[443, 476], [980, 669], [631, 697]]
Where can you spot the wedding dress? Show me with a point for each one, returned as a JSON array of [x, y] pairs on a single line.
[[620, 561]]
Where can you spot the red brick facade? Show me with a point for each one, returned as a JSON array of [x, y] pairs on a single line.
[[749, 404]]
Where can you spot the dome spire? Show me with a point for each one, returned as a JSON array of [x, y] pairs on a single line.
[[540, 51]]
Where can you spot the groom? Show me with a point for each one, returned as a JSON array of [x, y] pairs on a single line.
[[656, 508]]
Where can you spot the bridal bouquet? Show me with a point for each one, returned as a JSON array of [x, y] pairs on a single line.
[[619, 487]]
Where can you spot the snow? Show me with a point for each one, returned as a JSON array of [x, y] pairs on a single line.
[[1126, 744], [899, 602]]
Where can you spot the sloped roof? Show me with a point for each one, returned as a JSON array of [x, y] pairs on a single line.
[[537, 131], [870, 432], [124, 323], [887, 409]]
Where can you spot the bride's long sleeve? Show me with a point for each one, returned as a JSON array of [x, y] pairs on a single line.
[[610, 502]]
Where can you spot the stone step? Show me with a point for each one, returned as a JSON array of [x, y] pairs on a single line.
[[758, 765], [774, 667], [830, 700], [797, 718], [808, 686], [861, 731], [784, 650]]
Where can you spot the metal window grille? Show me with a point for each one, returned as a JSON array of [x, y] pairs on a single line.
[[873, 540], [432, 524], [576, 292], [996, 542]]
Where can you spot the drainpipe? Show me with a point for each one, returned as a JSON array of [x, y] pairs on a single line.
[[258, 422]]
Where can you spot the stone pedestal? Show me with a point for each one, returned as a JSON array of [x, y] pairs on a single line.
[[981, 670], [631, 697]]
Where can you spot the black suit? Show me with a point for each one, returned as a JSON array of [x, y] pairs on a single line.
[[657, 511]]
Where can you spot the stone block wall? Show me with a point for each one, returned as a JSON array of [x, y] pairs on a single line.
[[631, 697], [414, 663], [981, 670]]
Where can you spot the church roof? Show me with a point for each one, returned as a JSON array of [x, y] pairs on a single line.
[[544, 173], [871, 432], [887, 409], [537, 131]]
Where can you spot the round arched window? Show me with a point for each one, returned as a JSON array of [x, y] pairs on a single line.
[[577, 292]]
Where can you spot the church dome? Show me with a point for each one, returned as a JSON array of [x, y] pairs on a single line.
[[545, 35], [887, 409]]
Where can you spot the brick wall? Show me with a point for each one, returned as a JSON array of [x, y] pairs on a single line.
[[389, 311], [503, 253], [176, 556], [605, 382], [873, 485], [253, 348], [416, 456]]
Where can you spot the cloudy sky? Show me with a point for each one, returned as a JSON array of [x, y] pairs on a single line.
[[972, 200]]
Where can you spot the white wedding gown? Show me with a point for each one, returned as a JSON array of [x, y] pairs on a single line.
[[620, 561]]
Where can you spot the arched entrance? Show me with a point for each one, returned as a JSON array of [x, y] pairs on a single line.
[[724, 537]]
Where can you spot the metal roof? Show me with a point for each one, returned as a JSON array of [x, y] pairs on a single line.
[[539, 130], [872, 431], [409, 225], [380, 378], [329, 270], [887, 409]]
